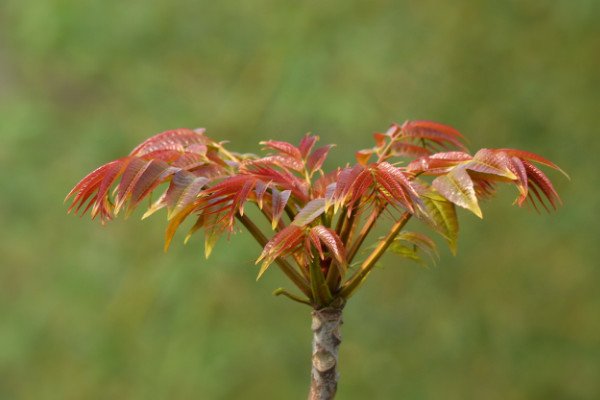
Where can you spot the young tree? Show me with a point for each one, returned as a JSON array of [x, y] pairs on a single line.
[[319, 220]]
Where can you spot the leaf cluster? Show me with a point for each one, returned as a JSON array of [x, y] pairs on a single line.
[[319, 220]]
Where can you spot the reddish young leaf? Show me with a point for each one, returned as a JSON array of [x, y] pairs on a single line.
[[525, 155], [176, 139], [278, 202], [184, 189], [284, 242], [434, 132], [395, 183], [260, 190], [363, 156], [316, 241], [490, 162], [284, 161], [315, 161], [345, 181], [306, 145], [380, 139], [131, 175], [409, 150], [284, 148], [334, 244], [284, 179], [438, 163], [539, 180], [156, 172]]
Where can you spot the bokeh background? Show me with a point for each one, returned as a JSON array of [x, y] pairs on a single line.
[[92, 312]]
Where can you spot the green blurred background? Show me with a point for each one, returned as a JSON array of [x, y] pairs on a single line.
[[92, 312]]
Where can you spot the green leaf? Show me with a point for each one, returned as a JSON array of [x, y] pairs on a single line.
[[457, 187], [441, 216], [406, 252]]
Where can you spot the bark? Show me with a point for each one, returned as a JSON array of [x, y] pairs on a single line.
[[327, 336]]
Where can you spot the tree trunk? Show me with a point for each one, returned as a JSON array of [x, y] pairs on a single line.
[[327, 336]]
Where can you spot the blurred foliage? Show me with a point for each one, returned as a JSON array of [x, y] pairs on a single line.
[[88, 312]]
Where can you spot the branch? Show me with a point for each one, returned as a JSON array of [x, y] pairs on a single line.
[[287, 269], [359, 276]]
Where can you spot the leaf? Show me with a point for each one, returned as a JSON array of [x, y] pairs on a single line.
[[260, 190], [213, 230], [538, 179], [284, 161], [363, 156], [279, 201], [315, 161], [438, 163], [422, 242], [284, 242], [176, 139], [184, 189], [532, 157], [309, 212], [344, 184], [176, 221], [491, 162], [441, 216], [132, 173], [306, 144], [334, 244], [457, 187], [409, 150], [380, 139], [437, 133], [283, 147], [406, 252], [155, 172], [396, 183]]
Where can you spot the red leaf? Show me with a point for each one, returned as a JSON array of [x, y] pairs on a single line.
[[184, 189], [282, 243], [491, 162], [395, 184], [517, 168], [284, 161], [437, 133], [409, 150], [279, 201], [260, 190], [344, 184], [155, 172], [334, 244], [380, 139], [438, 163], [176, 139], [134, 170], [315, 161], [532, 157], [306, 144], [363, 156], [88, 185], [284, 148], [314, 238], [537, 178]]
